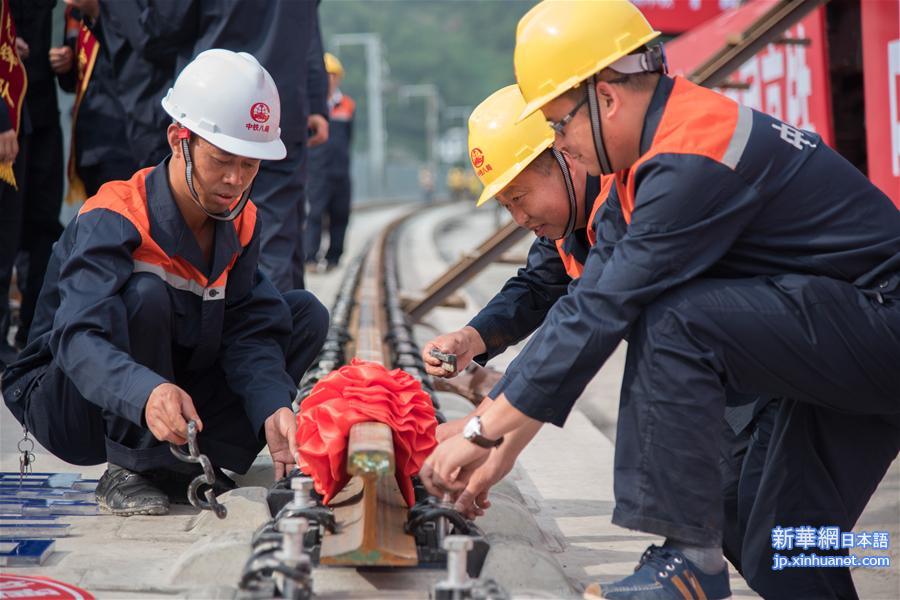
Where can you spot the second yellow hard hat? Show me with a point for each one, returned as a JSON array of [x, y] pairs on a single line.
[[501, 146], [333, 65]]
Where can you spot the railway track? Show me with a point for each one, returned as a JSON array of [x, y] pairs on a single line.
[[368, 524]]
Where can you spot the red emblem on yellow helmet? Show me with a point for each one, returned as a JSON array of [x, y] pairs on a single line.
[[477, 157]]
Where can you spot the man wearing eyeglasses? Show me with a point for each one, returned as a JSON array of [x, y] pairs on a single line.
[[755, 258]]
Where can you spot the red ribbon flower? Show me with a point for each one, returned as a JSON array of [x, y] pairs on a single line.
[[359, 392]]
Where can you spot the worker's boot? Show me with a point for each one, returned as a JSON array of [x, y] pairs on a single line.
[[664, 574], [126, 493]]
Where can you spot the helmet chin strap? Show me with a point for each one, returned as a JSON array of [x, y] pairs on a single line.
[[596, 129], [570, 191], [228, 215]]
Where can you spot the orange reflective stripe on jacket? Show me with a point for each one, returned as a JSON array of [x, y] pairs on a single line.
[[129, 199], [720, 129], [574, 268]]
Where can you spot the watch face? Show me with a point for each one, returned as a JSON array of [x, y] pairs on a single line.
[[472, 428]]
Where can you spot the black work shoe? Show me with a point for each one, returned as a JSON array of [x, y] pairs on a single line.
[[126, 493]]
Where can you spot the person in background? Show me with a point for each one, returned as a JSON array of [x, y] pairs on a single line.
[[15, 130], [41, 183], [97, 154], [142, 69], [329, 174], [284, 37]]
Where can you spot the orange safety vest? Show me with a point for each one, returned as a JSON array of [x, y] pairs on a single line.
[[129, 199], [574, 267]]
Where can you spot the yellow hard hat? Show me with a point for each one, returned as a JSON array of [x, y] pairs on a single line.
[[560, 43], [500, 147], [333, 65]]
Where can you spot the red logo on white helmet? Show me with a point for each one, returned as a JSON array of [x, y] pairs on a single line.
[[260, 112]]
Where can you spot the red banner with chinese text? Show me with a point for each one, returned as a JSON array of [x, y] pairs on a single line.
[[677, 16], [786, 80], [86, 49], [881, 80], [13, 81]]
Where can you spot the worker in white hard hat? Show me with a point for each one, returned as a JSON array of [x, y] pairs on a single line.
[[154, 311]]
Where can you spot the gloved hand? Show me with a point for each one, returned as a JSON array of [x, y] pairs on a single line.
[[465, 343]]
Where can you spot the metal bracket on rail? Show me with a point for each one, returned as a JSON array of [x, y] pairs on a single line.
[[431, 521], [281, 570]]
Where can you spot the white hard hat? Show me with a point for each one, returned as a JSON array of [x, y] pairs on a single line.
[[231, 101]]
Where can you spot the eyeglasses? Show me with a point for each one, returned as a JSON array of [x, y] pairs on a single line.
[[560, 126]]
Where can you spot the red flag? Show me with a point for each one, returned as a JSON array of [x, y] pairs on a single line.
[[13, 81], [86, 49]]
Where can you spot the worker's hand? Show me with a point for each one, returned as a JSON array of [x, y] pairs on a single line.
[[318, 127], [167, 412], [281, 437], [9, 146], [450, 428], [473, 501], [465, 343], [22, 48], [61, 59], [90, 8], [450, 466]]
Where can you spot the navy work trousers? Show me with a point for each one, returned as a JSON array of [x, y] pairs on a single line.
[[790, 468], [82, 433], [279, 192], [824, 343], [328, 195]]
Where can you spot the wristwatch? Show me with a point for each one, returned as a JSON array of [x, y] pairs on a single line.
[[472, 432]]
